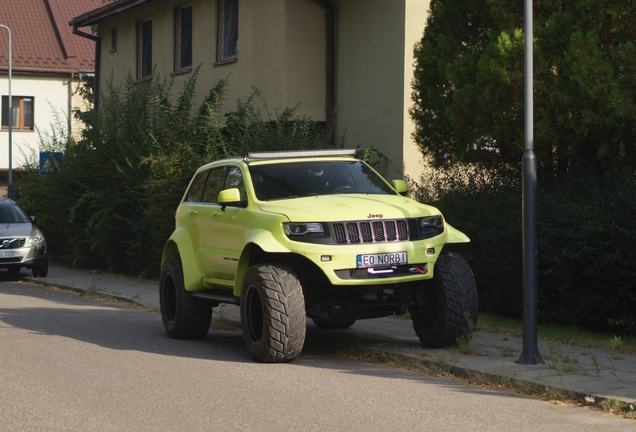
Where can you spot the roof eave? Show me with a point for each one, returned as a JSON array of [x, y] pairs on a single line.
[[41, 71], [96, 15]]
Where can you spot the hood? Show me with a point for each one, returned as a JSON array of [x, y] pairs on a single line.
[[342, 207], [16, 230]]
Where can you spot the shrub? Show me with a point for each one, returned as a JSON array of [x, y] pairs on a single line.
[[587, 262], [111, 203]]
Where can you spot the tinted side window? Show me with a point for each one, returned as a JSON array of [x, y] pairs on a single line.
[[214, 185], [235, 180], [196, 188]]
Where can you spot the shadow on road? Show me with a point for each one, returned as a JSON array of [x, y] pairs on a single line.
[[54, 313]]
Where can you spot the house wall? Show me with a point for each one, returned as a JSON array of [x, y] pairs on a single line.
[[51, 101], [415, 23], [282, 52], [374, 69], [77, 102], [288, 70]]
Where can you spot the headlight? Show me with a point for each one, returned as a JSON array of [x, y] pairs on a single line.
[[36, 239], [432, 222], [300, 229], [430, 226]]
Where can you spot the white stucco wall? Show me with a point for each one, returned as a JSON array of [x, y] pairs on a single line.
[[50, 99]]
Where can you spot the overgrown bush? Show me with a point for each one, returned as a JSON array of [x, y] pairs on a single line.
[[468, 86], [468, 104], [587, 261], [110, 204]]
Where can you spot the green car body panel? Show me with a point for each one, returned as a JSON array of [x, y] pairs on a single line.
[[312, 234], [218, 258]]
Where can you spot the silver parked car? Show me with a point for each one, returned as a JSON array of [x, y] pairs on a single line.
[[22, 244]]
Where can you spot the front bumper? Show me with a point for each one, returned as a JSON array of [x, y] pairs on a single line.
[[340, 264], [32, 256]]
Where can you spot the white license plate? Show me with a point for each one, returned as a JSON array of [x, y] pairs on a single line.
[[382, 260], [9, 254]]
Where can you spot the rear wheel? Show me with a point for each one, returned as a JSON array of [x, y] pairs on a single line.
[[273, 313], [184, 316], [447, 306]]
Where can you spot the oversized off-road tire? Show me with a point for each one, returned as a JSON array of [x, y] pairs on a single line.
[[273, 313], [449, 307], [184, 316], [42, 270], [328, 325]]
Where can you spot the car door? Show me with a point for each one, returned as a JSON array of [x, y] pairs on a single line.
[[217, 231], [202, 219], [230, 229]]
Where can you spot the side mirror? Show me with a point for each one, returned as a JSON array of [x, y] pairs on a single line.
[[400, 186], [231, 197], [32, 219]]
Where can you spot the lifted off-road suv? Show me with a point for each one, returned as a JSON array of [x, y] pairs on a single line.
[[310, 234]]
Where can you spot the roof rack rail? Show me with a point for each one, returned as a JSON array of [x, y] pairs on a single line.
[[301, 153]]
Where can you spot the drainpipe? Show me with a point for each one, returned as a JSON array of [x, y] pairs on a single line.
[[330, 32], [70, 104], [98, 50]]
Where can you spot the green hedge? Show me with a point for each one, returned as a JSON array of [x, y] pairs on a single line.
[[587, 238], [111, 203]]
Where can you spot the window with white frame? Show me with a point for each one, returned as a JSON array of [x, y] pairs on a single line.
[[227, 30], [21, 110], [144, 48], [183, 36]]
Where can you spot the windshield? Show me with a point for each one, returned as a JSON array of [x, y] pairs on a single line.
[[12, 214], [301, 179]]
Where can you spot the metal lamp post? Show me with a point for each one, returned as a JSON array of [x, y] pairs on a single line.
[[530, 353], [10, 185]]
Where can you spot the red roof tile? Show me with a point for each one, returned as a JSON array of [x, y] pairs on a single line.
[[40, 42]]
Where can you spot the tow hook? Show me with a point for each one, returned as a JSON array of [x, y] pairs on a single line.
[[419, 270]]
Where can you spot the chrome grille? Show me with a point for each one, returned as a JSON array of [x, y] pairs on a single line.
[[365, 231], [339, 233], [13, 243], [390, 231], [354, 236], [413, 227], [403, 229], [371, 232], [378, 231]]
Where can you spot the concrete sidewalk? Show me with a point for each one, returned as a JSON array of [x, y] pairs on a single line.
[[588, 374]]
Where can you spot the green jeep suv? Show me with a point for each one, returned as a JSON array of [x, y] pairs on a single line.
[[316, 234]]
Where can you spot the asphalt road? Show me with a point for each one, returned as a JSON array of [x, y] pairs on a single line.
[[72, 363]]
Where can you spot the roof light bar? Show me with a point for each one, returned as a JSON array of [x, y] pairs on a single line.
[[301, 153]]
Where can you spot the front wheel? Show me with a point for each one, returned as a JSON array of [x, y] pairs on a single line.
[[41, 270], [447, 306], [273, 313], [184, 316]]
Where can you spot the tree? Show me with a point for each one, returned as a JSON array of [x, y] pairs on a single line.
[[468, 88]]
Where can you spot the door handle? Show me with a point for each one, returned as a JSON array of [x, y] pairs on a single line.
[[193, 212], [216, 214]]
